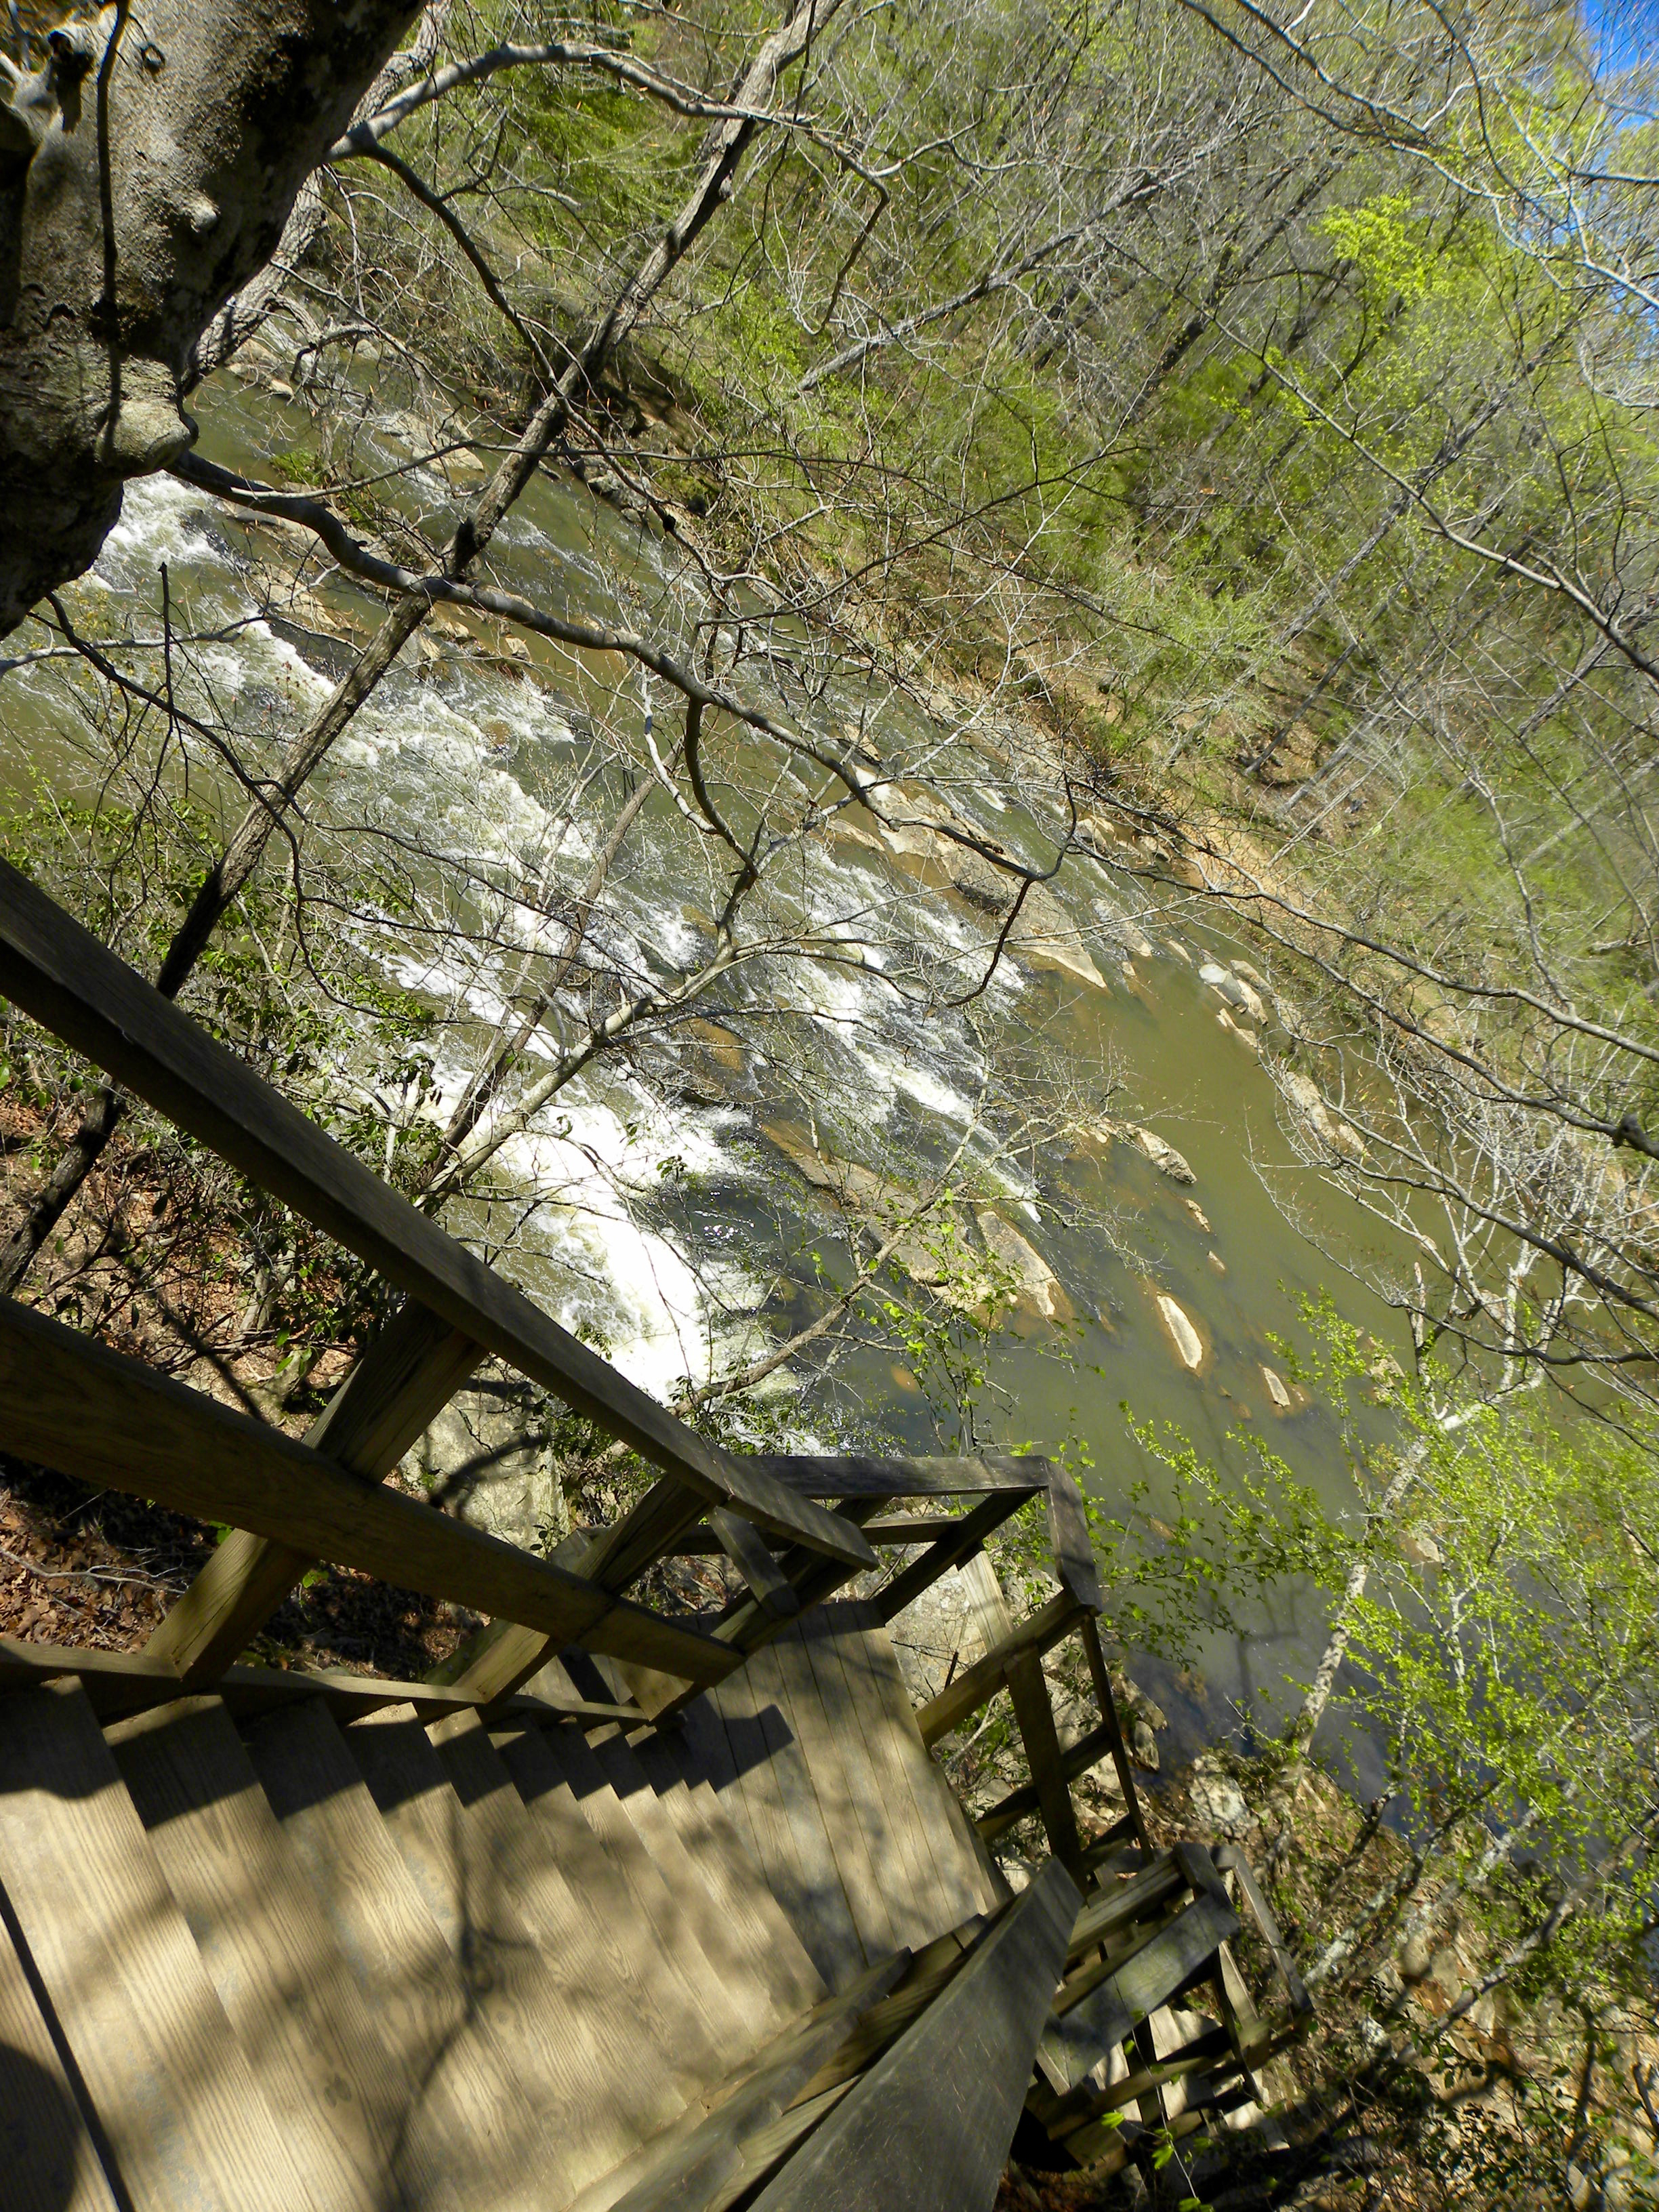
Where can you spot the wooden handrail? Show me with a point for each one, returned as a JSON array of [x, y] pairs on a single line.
[[928, 2126], [120, 1683], [976, 1685], [862, 1474], [77, 1405], [59, 974]]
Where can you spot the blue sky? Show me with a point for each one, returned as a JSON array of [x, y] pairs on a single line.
[[1625, 31]]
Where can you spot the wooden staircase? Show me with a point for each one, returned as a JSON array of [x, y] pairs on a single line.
[[625, 1908], [275, 1960]]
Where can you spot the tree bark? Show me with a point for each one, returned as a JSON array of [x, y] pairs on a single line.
[[147, 170]]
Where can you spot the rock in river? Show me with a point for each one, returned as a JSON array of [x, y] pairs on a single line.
[[1182, 1334]]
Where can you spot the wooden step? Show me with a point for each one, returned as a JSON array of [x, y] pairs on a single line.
[[563, 1788], [691, 2166], [1100, 2006], [928, 2129], [465, 2116], [768, 1780], [185, 2118], [302, 2021], [906, 1806], [969, 1882], [728, 1863], [735, 1941], [840, 1775], [52, 2161], [551, 2027], [648, 2067]]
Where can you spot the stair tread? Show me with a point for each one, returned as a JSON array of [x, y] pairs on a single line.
[[673, 1770], [691, 2166], [563, 1788], [601, 1960], [273, 1959], [185, 2118], [570, 2058], [51, 2164], [466, 2115], [941, 1824], [769, 1774], [836, 1763], [729, 1934], [814, 1746]]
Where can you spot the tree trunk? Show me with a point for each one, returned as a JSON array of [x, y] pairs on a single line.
[[146, 172]]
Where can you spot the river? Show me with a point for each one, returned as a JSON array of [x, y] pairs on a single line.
[[669, 1224]]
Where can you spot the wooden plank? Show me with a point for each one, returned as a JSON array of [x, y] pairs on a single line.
[[118, 1683], [465, 2113], [52, 2163], [563, 1786], [175, 2099], [735, 1943], [744, 1545], [863, 1474], [287, 1991], [59, 974], [929, 1971], [651, 1527], [797, 1858], [691, 2166], [1229, 1859], [88, 1412], [1098, 1922], [571, 1863], [930, 2124], [1089, 1751], [1100, 2007], [754, 1790], [408, 1373], [704, 1748], [1109, 1721], [918, 1907], [766, 2151], [978, 1685], [890, 1529], [962, 1540], [1027, 1688], [581, 1987], [569, 2059], [986, 1606], [1083, 2105], [1068, 1536], [836, 1791], [719, 1851], [938, 1807], [926, 1844]]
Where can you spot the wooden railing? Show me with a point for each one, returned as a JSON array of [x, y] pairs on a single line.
[[77, 1406]]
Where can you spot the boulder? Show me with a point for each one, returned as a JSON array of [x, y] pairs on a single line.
[[1216, 1802], [1185, 1338], [1304, 1096], [1038, 1290], [1276, 1390], [1163, 1157], [1241, 996]]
